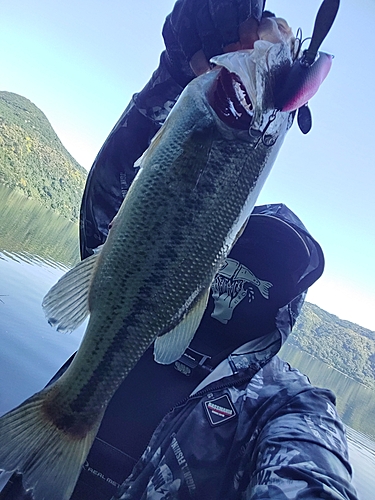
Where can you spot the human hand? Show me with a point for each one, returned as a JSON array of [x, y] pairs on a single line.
[[196, 30]]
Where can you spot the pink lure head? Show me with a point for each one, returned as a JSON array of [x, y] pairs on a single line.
[[302, 83]]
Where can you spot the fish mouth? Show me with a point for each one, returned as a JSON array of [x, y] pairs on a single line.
[[230, 101]]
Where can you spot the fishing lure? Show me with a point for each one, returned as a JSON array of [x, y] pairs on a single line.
[[308, 72]]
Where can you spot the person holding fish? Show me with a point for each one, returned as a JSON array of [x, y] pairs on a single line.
[[198, 405]]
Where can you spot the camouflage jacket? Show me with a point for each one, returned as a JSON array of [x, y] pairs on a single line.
[[247, 433]]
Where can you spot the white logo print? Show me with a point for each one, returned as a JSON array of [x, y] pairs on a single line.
[[229, 288]]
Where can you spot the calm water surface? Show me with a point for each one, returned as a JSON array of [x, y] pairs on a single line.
[[36, 248]]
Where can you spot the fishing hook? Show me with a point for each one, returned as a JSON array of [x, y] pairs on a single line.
[[297, 44], [262, 136]]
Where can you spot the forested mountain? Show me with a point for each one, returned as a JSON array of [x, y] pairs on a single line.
[[343, 345], [33, 160]]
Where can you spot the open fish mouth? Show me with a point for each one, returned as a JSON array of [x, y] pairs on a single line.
[[230, 101]]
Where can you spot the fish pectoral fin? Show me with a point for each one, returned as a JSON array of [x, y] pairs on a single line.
[[66, 305], [172, 345]]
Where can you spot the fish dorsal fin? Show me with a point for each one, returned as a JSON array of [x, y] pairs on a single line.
[[66, 305], [172, 345]]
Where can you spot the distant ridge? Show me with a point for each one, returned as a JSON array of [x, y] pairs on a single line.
[[346, 346], [33, 160]]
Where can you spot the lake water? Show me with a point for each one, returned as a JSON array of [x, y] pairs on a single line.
[[36, 248]]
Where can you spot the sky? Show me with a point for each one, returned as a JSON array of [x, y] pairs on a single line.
[[80, 63]]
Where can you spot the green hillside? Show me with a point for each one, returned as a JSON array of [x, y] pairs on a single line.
[[33, 160], [343, 345]]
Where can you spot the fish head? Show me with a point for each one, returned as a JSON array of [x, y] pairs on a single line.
[[243, 94], [255, 89]]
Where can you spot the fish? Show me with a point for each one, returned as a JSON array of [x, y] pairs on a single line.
[[150, 281]]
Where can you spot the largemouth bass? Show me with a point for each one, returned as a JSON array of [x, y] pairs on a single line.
[[150, 281]]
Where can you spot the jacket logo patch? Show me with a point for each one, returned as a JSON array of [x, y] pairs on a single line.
[[219, 410]]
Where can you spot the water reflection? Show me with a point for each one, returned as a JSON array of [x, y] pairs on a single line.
[[362, 458], [355, 402], [30, 233], [36, 248]]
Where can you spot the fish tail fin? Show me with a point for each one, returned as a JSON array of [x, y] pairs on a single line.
[[49, 459], [264, 287]]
